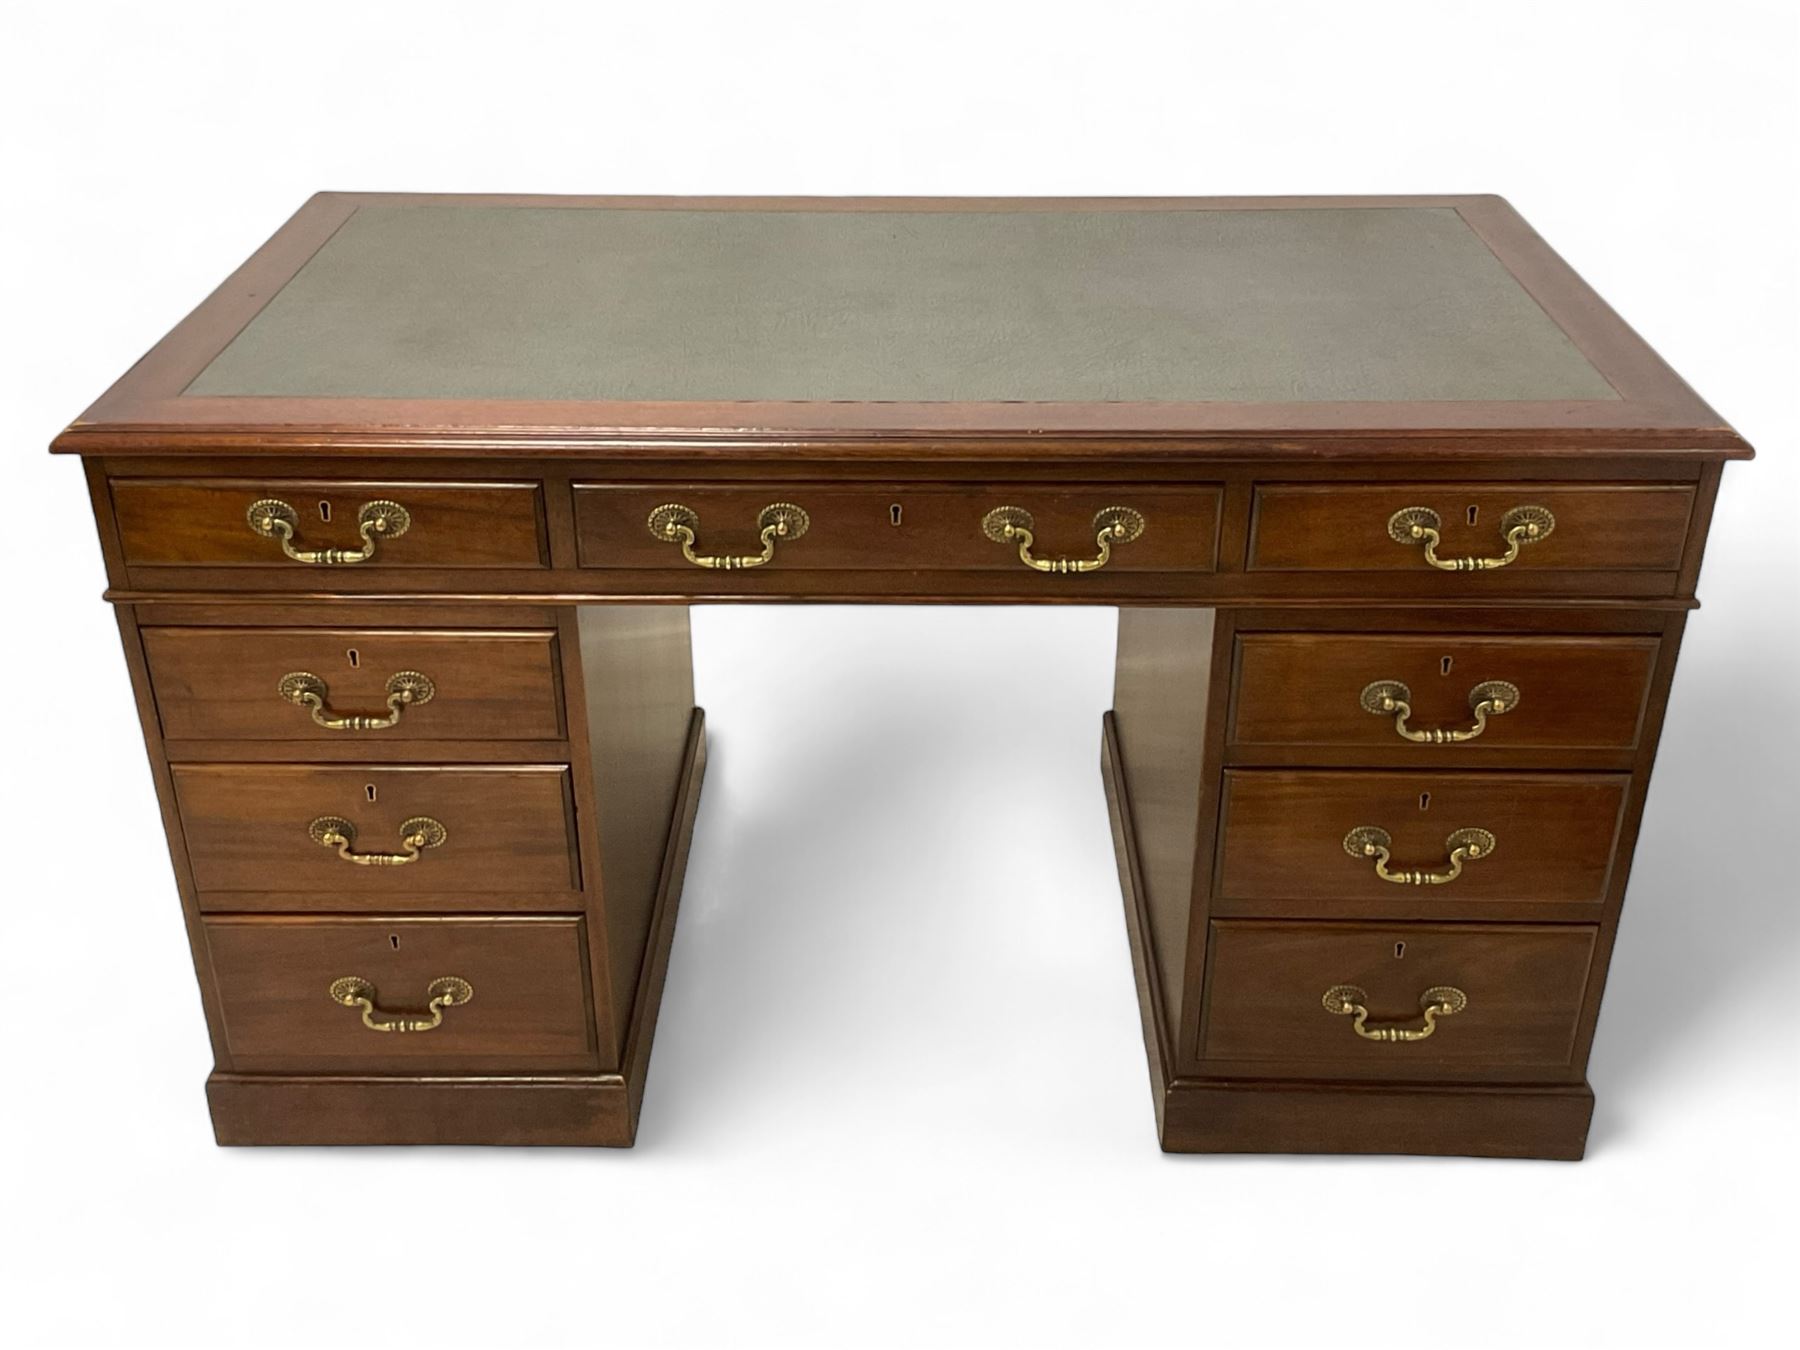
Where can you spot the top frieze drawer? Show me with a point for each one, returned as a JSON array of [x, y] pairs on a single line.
[[1421, 528], [303, 522]]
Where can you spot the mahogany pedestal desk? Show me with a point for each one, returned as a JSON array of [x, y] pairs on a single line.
[[402, 525]]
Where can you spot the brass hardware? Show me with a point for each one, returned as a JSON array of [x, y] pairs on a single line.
[[1391, 698], [447, 991], [416, 835], [275, 519], [677, 524], [405, 689], [1441, 1000], [1520, 526], [1465, 846], [1014, 525]]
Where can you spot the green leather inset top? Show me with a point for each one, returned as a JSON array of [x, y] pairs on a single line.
[[605, 304]]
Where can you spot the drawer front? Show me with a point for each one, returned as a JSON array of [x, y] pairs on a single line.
[[1553, 836], [880, 528], [250, 827], [1315, 528], [1267, 983], [239, 684], [527, 1007], [1571, 693], [207, 522]]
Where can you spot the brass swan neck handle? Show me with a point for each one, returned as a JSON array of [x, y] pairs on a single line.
[[1464, 846], [405, 689], [1392, 698], [1520, 526], [1441, 1000], [273, 518], [447, 991], [777, 522], [1015, 525], [416, 835]]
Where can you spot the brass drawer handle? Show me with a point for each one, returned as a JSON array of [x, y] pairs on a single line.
[[1520, 526], [676, 524], [416, 835], [405, 689], [1465, 846], [447, 991], [1441, 1000], [1014, 525], [275, 519], [1391, 698]]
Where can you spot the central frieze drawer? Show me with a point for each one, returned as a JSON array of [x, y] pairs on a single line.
[[1170, 529], [412, 830], [287, 989], [1460, 694], [1299, 836], [350, 684], [372, 524], [1290, 991]]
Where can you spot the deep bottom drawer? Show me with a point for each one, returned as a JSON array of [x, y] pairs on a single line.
[[283, 998], [1267, 986]]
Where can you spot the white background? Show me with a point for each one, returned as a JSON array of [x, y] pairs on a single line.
[[898, 1095]]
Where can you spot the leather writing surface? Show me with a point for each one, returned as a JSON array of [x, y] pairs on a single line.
[[590, 303]]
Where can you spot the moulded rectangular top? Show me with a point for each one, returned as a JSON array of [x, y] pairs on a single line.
[[1018, 328]]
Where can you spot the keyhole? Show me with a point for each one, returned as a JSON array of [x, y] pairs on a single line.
[[355, 658], [1445, 664], [1424, 801], [894, 514], [325, 512], [369, 791], [394, 941], [1399, 950], [1473, 512]]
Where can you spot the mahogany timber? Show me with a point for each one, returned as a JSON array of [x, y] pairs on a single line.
[[509, 827], [488, 685], [529, 1009], [1524, 984], [1306, 528], [1264, 593], [168, 522], [1282, 836], [912, 528], [1576, 693]]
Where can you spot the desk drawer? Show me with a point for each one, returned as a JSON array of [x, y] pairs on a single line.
[[1267, 982], [209, 522], [1610, 528], [256, 827], [242, 684], [1327, 689], [527, 1005], [899, 528], [1287, 836]]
